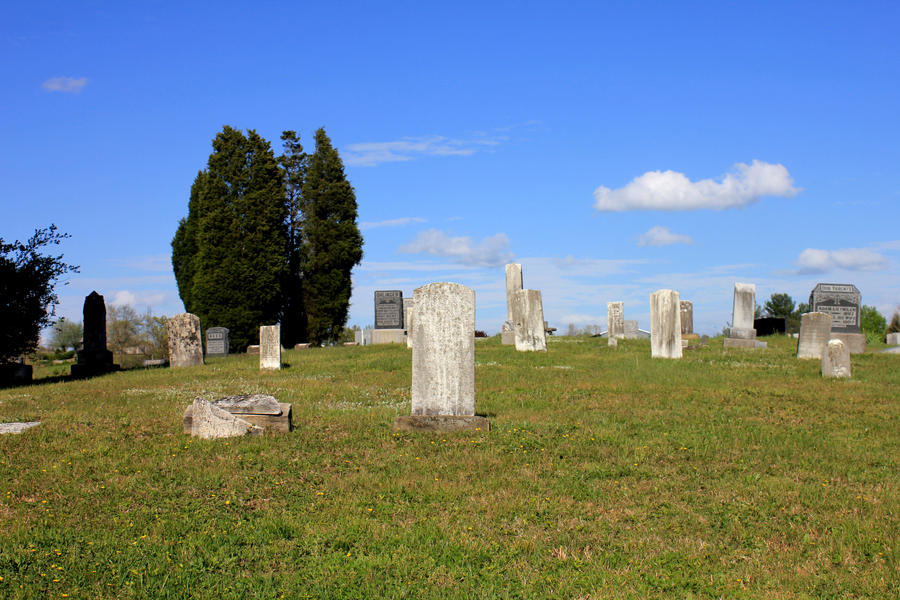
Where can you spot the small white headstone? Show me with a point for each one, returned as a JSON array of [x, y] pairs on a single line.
[[270, 347], [665, 324], [615, 320], [836, 359]]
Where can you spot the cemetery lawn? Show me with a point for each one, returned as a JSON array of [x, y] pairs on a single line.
[[606, 474]]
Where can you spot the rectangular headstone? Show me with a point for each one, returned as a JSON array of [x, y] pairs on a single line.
[[185, 342], [513, 285], [841, 301], [270, 347], [836, 359], [687, 317], [665, 324], [815, 331], [531, 335], [893, 339], [389, 309], [443, 353], [217, 341], [615, 320], [743, 311]]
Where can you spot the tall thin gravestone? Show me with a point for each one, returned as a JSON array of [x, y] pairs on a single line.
[[94, 358], [407, 320], [665, 324], [615, 321], [742, 334], [815, 331], [687, 317], [529, 329], [513, 285], [217, 341], [185, 342], [270, 347], [443, 360]]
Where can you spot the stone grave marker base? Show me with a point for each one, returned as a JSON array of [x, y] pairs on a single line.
[[740, 343], [441, 423], [280, 423], [508, 338], [388, 336], [856, 342]]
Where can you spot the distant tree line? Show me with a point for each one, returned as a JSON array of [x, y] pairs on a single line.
[[269, 239], [871, 322]]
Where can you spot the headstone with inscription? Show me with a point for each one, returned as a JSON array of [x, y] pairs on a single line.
[[185, 342], [389, 309], [815, 331], [217, 341], [841, 301], [665, 324], [615, 321], [443, 360], [270, 347], [94, 358]]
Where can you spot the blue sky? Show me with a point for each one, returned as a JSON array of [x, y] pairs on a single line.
[[612, 148]]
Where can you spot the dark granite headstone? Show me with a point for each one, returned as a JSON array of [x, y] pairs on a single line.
[[389, 309], [217, 341], [841, 301], [770, 325], [94, 358]]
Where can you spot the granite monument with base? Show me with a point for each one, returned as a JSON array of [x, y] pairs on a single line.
[[389, 318], [443, 361], [94, 358], [843, 302], [742, 334]]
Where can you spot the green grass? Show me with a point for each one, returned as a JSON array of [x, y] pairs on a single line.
[[736, 474]]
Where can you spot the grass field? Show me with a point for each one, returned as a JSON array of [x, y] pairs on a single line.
[[732, 474]]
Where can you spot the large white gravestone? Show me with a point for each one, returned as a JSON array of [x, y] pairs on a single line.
[[615, 321], [815, 331], [270, 347], [836, 359], [528, 309], [443, 359], [665, 324], [185, 343]]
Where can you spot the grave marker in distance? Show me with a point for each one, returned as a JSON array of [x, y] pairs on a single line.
[[185, 343], [217, 341], [270, 347]]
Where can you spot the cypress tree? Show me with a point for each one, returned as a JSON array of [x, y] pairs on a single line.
[[228, 254], [334, 243], [293, 164]]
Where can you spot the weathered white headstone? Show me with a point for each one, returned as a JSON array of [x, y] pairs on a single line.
[[615, 321], [407, 320], [185, 342], [665, 324], [270, 347], [815, 331], [529, 324], [893, 339], [836, 359], [687, 317], [209, 421], [443, 360], [743, 311]]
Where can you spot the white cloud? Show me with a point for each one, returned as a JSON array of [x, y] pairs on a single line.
[[139, 299], [661, 236], [390, 223], [670, 190], [72, 85], [369, 154], [490, 251], [813, 260]]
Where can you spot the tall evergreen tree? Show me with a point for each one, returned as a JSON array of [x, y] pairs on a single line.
[[229, 253], [334, 243], [293, 164]]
